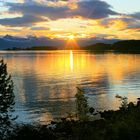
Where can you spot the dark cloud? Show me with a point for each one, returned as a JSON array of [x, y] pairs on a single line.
[[94, 9], [133, 20], [130, 21], [34, 8], [21, 21], [33, 12], [136, 15]]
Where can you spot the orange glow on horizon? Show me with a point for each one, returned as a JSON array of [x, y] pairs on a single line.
[[76, 28], [71, 42], [71, 37]]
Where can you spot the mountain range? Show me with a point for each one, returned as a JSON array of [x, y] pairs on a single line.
[[9, 41]]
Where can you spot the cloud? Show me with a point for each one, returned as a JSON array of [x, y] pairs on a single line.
[[21, 21], [129, 21], [94, 9], [136, 15], [39, 28], [64, 17], [34, 8], [132, 22]]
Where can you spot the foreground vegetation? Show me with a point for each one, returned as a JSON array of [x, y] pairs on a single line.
[[112, 125], [6, 100]]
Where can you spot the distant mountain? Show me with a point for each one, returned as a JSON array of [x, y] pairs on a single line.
[[9, 41], [91, 41], [14, 39], [125, 46], [27, 42], [34, 43]]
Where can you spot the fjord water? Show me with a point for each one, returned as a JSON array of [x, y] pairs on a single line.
[[45, 81]]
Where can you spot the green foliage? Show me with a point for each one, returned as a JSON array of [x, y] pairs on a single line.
[[6, 98], [25, 132], [81, 105], [115, 125], [125, 46], [91, 110], [6, 89], [124, 103]]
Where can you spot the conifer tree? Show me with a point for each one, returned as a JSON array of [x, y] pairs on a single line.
[[6, 97], [81, 105]]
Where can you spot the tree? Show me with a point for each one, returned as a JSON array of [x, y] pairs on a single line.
[[6, 97], [81, 105]]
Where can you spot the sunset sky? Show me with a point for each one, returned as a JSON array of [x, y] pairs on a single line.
[[119, 19]]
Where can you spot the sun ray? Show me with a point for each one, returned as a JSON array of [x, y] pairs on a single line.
[[71, 42], [71, 37]]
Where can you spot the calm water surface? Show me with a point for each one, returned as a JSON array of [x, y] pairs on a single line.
[[46, 81]]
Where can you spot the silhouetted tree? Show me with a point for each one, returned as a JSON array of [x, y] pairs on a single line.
[[6, 98], [81, 105]]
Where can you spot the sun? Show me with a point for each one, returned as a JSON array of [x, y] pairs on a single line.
[[71, 41], [71, 37]]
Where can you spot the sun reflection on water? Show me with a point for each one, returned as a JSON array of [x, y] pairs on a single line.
[[71, 60], [47, 81]]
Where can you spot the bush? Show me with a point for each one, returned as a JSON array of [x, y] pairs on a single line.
[[24, 132]]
